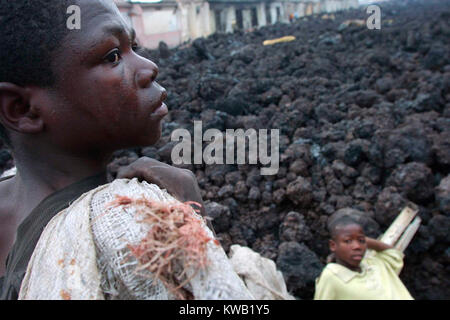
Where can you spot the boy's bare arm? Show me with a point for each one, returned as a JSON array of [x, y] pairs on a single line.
[[377, 245], [180, 183]]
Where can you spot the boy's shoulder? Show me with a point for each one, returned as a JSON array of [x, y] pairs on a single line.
[[6, 195], [389, 258], [8, 219], [10, 206], [336, 271], [331, 270]]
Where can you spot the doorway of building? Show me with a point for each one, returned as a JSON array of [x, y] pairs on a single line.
[[220, 23], [268, 15], [239, 19], [254, 18]]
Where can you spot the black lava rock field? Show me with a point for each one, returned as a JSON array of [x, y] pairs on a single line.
[[364, 120]]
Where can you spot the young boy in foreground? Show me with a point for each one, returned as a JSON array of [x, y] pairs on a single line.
[[68, 100], [353, 277]]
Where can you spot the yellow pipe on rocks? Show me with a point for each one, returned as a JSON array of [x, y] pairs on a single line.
[[278, 40]]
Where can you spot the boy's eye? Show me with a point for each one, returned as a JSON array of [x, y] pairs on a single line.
[[113, 57]]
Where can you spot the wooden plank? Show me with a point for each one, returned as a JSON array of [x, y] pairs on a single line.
[[399, 225], [407, 236], [396, 229]]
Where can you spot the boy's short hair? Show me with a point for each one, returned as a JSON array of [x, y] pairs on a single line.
[[30, 32], [340, 221]]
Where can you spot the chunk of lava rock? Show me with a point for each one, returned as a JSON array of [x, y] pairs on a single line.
[[220, 214], [415, 180], [389, 204], [300, 267], [294, 228], [441, 148], [439, 226], [299, 192], [443, 195]]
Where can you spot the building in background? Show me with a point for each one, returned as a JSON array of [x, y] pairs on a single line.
[[179, 21]]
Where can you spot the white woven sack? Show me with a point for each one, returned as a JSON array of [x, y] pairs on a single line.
[[83, 254], [260, 274], [63, 264]]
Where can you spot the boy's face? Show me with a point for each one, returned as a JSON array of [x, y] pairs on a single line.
[[349, 245], [105, 96]]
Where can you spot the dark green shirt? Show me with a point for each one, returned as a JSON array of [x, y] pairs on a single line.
[[29, 232]]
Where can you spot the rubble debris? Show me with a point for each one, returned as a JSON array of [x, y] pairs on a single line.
[[364, 119]]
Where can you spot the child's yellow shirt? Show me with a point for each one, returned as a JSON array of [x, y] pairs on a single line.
[[378, 280]]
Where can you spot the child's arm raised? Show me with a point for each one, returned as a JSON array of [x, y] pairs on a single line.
[[377, 245]]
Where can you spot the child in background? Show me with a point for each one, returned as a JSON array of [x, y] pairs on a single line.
[[353, 277]]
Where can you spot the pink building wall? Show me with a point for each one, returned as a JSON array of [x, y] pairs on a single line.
[[134, 14]]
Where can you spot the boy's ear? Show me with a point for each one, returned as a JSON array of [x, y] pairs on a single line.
[[16, 110], [332, 245]]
